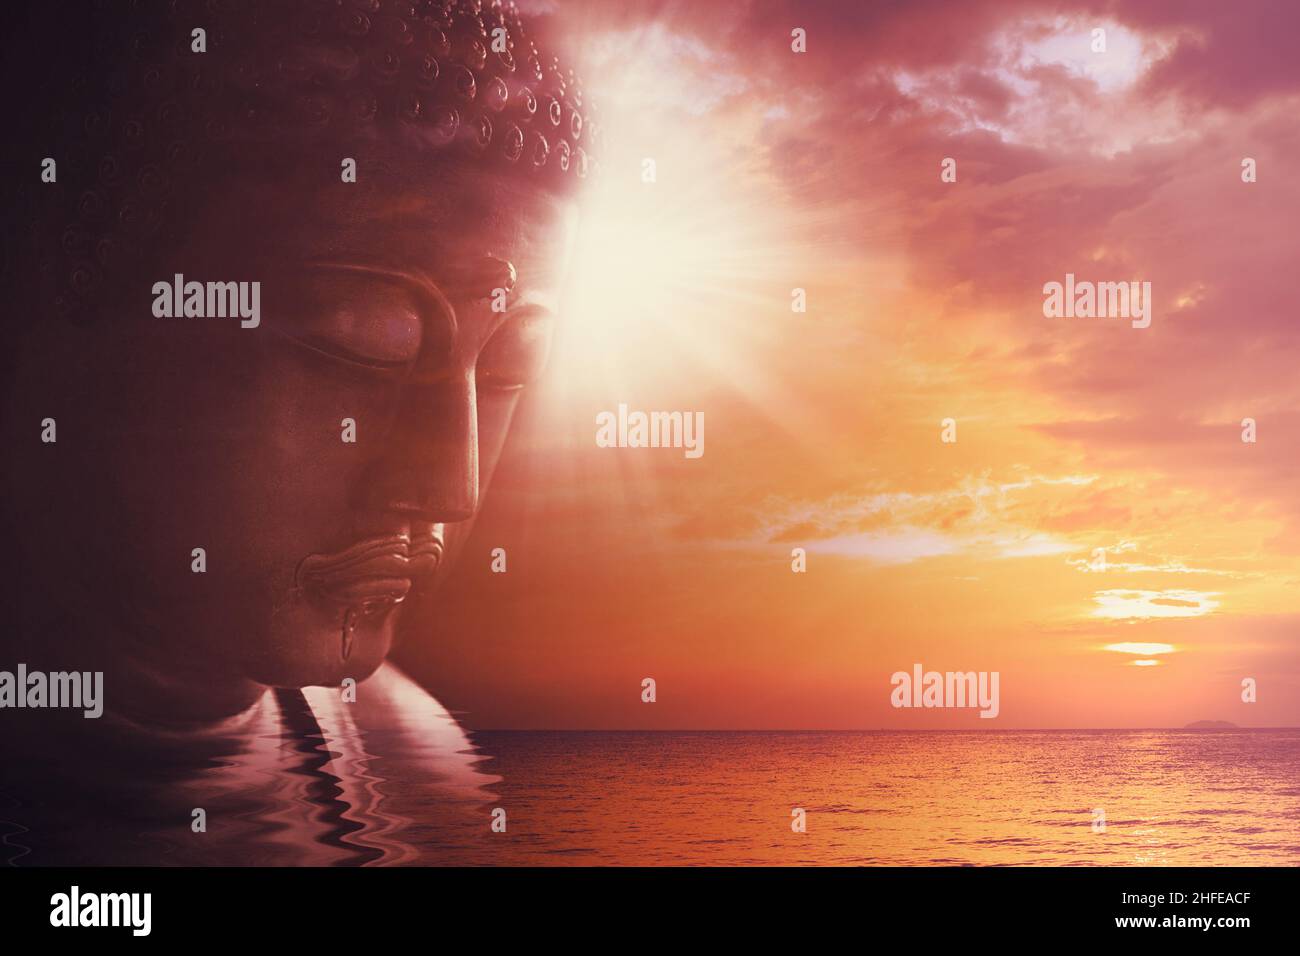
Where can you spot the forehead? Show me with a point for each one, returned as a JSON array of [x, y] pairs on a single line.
[[430, 223]]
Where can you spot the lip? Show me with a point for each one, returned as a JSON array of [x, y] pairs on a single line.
[[374, 573]]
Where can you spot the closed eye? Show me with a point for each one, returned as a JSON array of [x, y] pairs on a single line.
[[332, 349], [355, 319]]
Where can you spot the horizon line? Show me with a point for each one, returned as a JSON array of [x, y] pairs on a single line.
[[845, 730]]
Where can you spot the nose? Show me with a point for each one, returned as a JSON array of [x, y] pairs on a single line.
[[429, 466], [430, 469]]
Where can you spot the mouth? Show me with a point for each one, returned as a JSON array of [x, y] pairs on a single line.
[[373, 574]]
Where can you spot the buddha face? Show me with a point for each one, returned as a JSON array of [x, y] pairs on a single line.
[[329, 462]]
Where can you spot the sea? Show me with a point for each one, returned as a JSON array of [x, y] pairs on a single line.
[[944, 798], [337, 796]]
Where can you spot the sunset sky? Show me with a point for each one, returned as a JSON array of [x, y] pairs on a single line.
[[821, 171]]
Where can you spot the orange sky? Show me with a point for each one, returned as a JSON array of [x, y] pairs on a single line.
[[820, 171]]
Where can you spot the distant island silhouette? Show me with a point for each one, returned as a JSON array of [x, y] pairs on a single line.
[[1211, 725]]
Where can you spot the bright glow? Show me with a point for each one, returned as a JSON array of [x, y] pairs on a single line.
[[1145, 650], [1146, 663], [677, 248], [651, 271]]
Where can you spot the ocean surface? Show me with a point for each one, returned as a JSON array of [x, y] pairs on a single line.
[[1186, 798], [325, 792]]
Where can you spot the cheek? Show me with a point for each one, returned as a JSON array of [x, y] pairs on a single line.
[[242, 454], [309, 432], [253, 465]]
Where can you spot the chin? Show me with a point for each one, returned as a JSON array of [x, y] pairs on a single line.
[[306, 646]]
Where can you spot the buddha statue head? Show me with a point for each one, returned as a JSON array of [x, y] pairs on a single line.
[[293, 266]]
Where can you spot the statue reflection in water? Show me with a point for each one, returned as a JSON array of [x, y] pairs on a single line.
[[234, 523]]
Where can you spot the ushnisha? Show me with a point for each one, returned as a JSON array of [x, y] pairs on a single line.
[[178, 298], [281, 88]]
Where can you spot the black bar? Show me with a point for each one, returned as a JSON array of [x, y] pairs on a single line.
[[325, 906]]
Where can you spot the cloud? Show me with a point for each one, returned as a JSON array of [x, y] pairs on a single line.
[[1123, 604], [981, 517]]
